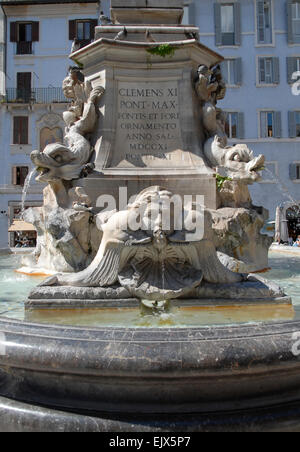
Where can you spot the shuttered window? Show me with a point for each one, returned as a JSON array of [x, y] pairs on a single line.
[[20, 131], [294, 171], [232, 71], [270, 124], [24, 86], [269, 72], [227, 24], [234, 126], [293, 17], [264, 22], [19, 174], [293, 66], [24, 34], [294, 124], [82, 29]]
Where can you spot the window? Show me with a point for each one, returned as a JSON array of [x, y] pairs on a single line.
[[293, 22], [227, 24], [83, 30], [234, 126], [297, 121], [24, 34], [231, 125], [270, 124], [296, 19], [264, 22], [20, 131], [19, 175], [295, 171], [294, 124], [232, 71], [269, 70], [24, 86], [293, 65]]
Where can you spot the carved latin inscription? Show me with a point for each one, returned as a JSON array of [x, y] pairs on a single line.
[[148, 123]]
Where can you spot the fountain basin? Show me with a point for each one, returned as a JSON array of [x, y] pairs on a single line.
[[200, 377], [135, 373]]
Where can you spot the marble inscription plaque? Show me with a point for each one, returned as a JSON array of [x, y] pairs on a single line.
[[148, 124]]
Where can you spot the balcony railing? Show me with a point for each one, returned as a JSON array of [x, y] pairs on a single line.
[[24, 48], [35, 96]]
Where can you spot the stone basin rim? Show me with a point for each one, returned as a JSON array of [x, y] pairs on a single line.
[[228, 328], [149, 370], [268, 327]]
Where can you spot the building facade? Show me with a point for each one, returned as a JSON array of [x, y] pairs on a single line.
[[35, 42], [260, 41]]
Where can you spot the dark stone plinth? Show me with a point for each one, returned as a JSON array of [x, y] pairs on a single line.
[[118, 373], [253, 291]]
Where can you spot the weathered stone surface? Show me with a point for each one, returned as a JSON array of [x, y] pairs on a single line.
[[79, 293], [147, 12], [68, 161], [68, 239], [23, 417], [234, 194], [253, 291], [237, 235], [254, 288], [137, 371]]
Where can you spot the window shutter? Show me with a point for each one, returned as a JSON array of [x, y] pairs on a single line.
[[293, 171], [237, 23], [24, 130], [16, 130], [23, 174], [218, 30], [24, 81], [290, 21], [241, 126], [35, 31], [72, 30], [238, 71], [14, 175], [93, 25], [260, 22], [276, 70], [277, 124], [292, 124], [20, 132], [262, 70], [291, 68], [263, 124], [224, 70], [13, 31]]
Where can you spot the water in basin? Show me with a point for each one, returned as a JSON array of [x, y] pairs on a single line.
[[14, 289]]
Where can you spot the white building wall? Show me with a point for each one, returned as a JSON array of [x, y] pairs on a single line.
[[48, 65], [250, 98]]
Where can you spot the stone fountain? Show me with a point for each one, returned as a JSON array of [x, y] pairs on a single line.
[[146, 202]]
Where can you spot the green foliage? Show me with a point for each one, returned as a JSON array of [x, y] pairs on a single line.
[[220, 181], [163, 50]]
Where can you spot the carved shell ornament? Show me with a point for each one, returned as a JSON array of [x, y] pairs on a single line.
[[151, 262]]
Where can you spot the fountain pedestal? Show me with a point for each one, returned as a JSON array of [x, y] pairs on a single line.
[[151, 114], [148, 132]]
